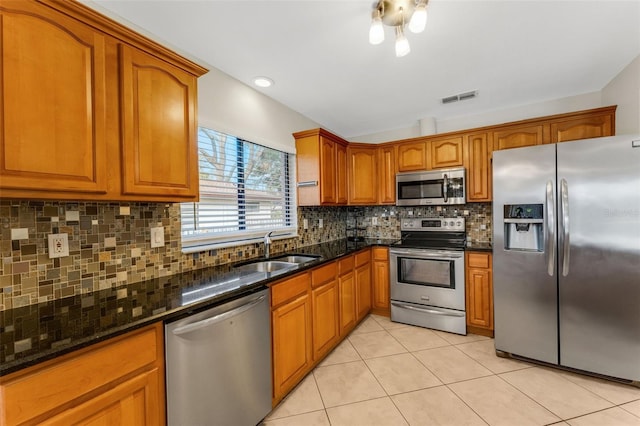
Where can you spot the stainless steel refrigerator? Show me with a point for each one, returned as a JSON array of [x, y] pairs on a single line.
[[566, 260]]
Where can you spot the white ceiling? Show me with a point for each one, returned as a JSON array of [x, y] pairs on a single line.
[[514, 52]]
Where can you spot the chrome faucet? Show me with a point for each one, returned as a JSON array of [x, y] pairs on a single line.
[[267, 244]]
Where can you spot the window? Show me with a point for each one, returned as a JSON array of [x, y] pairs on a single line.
[[245, 192]]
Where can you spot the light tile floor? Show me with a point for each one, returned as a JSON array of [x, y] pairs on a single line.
[[388, 374]]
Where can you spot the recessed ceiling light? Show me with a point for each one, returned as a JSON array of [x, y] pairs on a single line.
[[263, 81]]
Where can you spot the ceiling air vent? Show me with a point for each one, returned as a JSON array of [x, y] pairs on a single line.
[[460, 97]]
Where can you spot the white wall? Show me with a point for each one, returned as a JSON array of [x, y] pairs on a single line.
[[230, 106], [624, 91]]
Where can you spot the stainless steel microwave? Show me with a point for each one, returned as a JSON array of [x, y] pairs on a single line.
[[431, 188]]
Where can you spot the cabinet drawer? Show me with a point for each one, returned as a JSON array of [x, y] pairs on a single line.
[[345, 265], [380, 253], [479, 260], [42, 389], [289, 288], [324, 274], [363, 257]]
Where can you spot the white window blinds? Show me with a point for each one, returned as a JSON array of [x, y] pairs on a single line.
[[245, 192]]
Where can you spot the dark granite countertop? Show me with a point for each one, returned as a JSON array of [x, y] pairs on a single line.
[[477, 246], [35, 333]]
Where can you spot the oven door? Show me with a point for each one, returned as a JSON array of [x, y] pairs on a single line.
[[427, 277]]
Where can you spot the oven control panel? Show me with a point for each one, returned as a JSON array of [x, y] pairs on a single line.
[[449, 224]]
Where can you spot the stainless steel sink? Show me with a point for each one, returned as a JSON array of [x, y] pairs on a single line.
[[297, 258], [266, 266]]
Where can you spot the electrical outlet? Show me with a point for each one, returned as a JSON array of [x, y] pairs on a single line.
[[305, 223], [320, 223], [58, 245], [157, 236], [374, 221]]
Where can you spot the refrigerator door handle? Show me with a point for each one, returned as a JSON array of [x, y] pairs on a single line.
[[564, 221], [550, 237]]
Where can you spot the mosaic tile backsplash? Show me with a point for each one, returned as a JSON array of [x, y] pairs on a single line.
[[110, 246]]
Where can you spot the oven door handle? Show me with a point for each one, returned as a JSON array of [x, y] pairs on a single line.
[[426, 310], [427, 255]]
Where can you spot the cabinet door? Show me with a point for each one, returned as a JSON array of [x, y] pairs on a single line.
[[363, 290], [325, 318], [412, 156], [478, 168], [479, 290], [292, 351], [517, 137], [445, 153], [590, 126], [53, 94], [347, 297], [327, 171], [386, 175], [381, 281], [135, 402], [362, 174], [342, 196], [158, 127]]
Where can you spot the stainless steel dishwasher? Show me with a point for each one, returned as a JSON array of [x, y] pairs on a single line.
[[218, 364]]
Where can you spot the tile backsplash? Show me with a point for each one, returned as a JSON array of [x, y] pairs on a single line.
[[109, 246]]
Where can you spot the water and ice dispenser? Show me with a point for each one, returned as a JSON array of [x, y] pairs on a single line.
[[523, 227]]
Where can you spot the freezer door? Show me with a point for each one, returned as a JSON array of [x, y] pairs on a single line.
[[525, 280], [599, 255]]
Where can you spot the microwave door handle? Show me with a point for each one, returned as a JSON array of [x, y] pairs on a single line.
[[445, 187]]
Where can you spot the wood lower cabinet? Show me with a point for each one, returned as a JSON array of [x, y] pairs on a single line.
[[363, 283], [291, 330], [325, 308], [479, 292], [347, 295], [445, 153], [91, 110], [117, 381], [381, 295], [362, 175]]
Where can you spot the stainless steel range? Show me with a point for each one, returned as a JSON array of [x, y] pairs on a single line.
[[427, 274]]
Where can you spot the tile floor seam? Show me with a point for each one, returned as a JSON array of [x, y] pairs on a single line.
[[465, 402], [528, 397]]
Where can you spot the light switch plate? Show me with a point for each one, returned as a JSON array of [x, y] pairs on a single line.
[[320, 223], [157, 236], [58, 245]]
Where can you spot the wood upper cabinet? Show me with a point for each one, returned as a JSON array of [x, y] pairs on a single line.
[[590, 124], [478, 165], [111, 382], [479, 292], [381, 295], [444, 153], [291, 318], [91, 110], [412, 156], [319, 154], [325, 309], [362, 175], [159, 151], [386, 175], [517, 136], [363, 283], [53, 134]]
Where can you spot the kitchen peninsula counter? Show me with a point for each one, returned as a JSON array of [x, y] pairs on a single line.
[[35, 333]]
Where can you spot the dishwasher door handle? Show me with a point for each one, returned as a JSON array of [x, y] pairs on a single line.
[[217, 318]]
